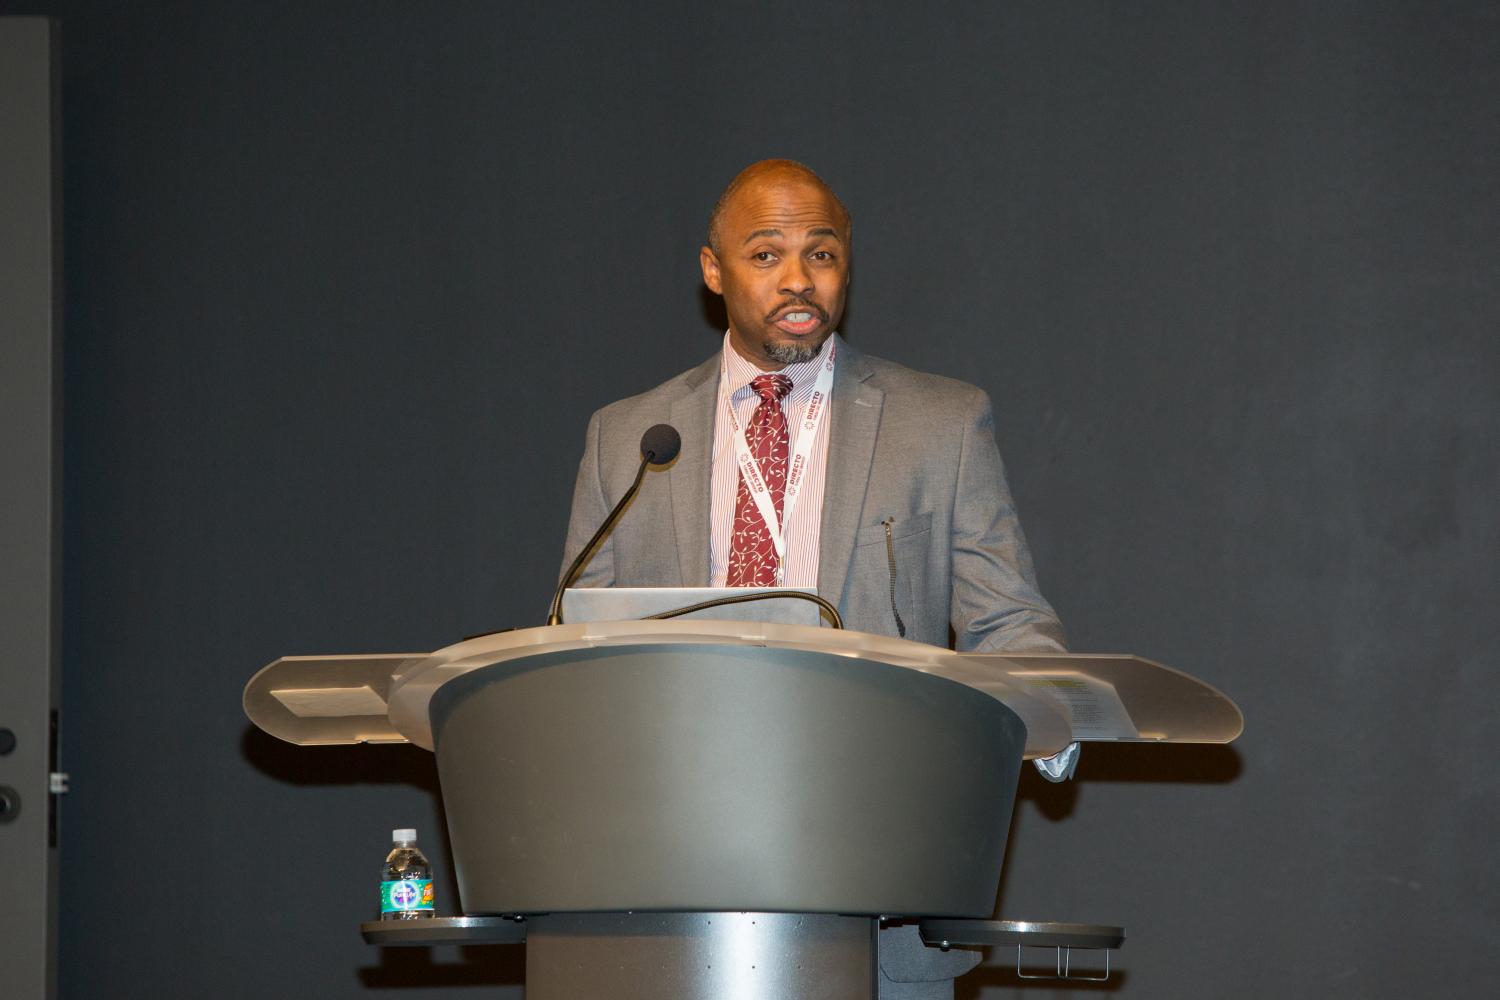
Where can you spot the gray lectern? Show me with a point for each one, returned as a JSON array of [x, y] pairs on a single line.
[[705, 809]]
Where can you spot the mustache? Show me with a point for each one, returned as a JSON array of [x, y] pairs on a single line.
[[797, 302]]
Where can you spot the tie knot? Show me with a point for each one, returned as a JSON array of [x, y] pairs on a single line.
[[771, 387]]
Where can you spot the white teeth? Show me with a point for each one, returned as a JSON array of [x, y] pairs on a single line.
[[799, 317]]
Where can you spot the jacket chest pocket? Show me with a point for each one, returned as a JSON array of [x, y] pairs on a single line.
[[905, 541], [899, 528]]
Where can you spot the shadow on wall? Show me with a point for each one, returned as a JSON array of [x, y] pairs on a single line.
[[1175, 763], [1038, 963], [713, 309], [398, 968], [397, 764], [1127, 762], [476, 965]]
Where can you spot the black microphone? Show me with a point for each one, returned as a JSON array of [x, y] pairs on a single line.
[[659, 445]]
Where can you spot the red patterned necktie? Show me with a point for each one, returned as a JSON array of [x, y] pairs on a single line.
[[752, 557]]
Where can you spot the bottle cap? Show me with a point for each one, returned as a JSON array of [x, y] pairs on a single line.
[[405, 836]]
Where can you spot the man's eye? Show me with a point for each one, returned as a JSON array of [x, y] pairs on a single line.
[[765, 257], [821, 255]]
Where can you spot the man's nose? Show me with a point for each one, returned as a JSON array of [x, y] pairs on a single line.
[[796, 278]]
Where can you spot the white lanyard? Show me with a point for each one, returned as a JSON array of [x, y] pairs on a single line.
[[796, 473]]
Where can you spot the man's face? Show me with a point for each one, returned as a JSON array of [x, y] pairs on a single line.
[[782, 267]]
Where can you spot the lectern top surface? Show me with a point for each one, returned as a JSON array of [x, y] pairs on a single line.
[[1060, 697]]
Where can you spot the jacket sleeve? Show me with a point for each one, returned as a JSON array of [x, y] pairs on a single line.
[[589, 511], [996, 602]]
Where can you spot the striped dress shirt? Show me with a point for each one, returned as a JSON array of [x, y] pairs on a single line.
[[801, 534]]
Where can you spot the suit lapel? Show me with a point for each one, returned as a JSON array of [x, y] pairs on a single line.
[[851, 448], [692, 473]]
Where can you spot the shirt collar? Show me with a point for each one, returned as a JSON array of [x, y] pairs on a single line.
[[803, 373]]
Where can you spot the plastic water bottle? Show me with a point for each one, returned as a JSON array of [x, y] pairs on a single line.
[[406, 886]]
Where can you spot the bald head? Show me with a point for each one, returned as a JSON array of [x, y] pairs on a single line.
[[778, 251], [770, 174]]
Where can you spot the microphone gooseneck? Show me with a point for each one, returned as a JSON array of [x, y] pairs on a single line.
[[659, 445], [766, 595]]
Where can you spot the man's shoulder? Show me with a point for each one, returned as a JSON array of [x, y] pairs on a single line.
[[894, 377], [677, 387]]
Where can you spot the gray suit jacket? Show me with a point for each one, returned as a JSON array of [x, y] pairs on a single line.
[[906, 445]]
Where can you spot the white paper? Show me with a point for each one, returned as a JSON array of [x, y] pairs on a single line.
[[1093, 707]]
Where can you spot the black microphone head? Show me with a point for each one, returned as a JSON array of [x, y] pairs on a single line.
[[661, 444]]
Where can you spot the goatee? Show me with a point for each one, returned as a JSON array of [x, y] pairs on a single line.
[[791, 354]]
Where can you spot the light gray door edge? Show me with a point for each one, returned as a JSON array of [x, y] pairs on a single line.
[[30, 507]]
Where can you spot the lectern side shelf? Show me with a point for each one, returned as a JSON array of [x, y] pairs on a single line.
[[1115, 697], [323, 700]]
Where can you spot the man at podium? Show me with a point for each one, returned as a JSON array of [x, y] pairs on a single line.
[[807, 463]]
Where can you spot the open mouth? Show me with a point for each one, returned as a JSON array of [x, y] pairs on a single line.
[[799, 320]]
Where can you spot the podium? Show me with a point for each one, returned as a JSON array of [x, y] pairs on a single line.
[[711, 808]]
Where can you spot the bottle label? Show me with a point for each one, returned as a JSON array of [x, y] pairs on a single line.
[[404, 895]]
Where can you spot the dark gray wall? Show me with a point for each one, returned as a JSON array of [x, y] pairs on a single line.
[[1228, 270]]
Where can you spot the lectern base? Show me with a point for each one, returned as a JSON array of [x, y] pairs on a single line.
[[700, 956], [681, 950]]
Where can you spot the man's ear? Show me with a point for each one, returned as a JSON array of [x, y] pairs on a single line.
[[709, 261]]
